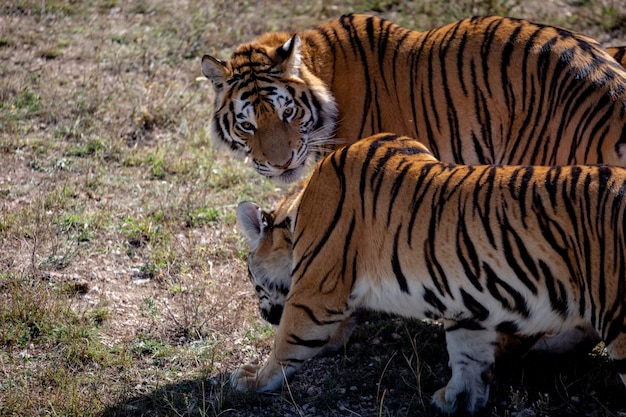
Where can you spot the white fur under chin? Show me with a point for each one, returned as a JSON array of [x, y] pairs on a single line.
[[289, 176]]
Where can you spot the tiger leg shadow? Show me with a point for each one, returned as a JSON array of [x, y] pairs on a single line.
[[471, 360], [340, 338], [581, 338], [617, 351]]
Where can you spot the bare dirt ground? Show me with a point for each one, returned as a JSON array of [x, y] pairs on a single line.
[[112, 195]]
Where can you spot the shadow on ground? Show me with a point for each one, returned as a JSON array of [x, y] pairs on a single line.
[[375, 376]]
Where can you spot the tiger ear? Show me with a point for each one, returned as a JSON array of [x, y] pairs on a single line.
[[252, 221], [215, 70], [291, 57]]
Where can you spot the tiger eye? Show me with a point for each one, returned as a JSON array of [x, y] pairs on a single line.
[[288, 113], [247, 126]]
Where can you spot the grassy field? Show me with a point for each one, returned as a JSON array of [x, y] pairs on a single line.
[[123, 287]]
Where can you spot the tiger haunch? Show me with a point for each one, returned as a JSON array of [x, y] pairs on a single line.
[[525, 250]]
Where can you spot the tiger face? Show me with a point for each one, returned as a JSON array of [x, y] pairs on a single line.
[[269, 260], [269, 107]]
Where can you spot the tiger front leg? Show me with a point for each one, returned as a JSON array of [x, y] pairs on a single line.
[[299, 337], [471, 359]]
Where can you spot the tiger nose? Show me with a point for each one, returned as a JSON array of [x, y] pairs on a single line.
[[283, 166]]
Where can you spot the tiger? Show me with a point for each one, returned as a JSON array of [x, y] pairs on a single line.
[[385, 225], [482, 90]]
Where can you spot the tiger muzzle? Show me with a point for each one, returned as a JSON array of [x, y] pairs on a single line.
[[283, 166]]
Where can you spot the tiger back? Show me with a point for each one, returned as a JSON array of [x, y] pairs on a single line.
[[481, 90], [525, 250]]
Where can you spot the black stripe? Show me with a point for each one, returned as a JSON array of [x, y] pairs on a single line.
[[509, 97], [346, 247], [414, 81], [556, 290], [422, 186], [432, 97], [367, 162], [621, 52], [310, 343], [383, 38], [495, 285], [309, 312], [484, 117], [507, 327], [395, 264], [394, 60], [460, 61], [486, 182], [435, 269], [337, 162], [452, 118], [347, 22], [395, 190], [431, 298], [490, 33], [512, 243], [531, 97], [467, 255], [479, 311]]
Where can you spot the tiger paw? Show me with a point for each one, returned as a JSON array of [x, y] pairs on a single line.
[[245, 378], [450, 400]]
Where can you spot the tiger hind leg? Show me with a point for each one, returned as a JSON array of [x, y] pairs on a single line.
[[472, 356], [617, 351]]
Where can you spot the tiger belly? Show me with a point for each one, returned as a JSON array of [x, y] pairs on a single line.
[[385, 295]]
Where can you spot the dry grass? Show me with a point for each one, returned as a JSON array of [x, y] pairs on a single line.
[[122, 282]]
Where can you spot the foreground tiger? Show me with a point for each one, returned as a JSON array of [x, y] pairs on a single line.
[[382, 224], [482, 90]]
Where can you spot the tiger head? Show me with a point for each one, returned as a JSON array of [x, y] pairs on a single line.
[[270, 257], [270, 107]]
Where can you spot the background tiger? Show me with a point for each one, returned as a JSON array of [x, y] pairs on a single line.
[[517, 249], [618, 53], [481, 90]]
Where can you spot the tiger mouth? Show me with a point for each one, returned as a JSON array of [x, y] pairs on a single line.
[[285, 165], [290, 175]]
